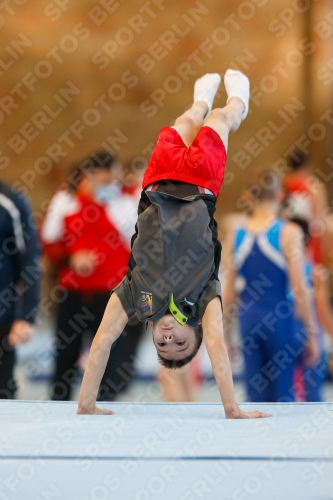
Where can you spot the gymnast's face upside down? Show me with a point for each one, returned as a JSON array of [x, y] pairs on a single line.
[[176, 344]]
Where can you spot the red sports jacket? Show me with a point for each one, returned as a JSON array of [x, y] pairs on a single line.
[[75, 222]]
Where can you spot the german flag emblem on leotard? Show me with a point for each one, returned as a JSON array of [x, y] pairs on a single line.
[[146, 302]]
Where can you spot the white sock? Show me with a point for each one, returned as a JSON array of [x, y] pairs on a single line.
[[237, 85], [205, 89]]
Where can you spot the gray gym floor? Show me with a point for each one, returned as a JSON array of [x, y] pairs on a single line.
[[165, 451], [154, 451]]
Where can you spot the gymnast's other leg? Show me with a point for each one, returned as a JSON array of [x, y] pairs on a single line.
[[189, 123], [228, 119]]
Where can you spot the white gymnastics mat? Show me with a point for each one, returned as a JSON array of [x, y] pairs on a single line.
[[161, 451]]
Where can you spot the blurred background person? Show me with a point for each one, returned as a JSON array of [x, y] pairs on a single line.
[[86, 233], [309, 380], [19, 281], [307, 198], [182, 385], [177, 385], [132, 176], [262, 254]]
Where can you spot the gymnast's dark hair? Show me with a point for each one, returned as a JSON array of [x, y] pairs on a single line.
[[304, 225], [178, 363], [298, 160], [94, 162]]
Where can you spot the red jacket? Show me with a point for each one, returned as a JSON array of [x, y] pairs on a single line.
[[297, 186], [75, 222]]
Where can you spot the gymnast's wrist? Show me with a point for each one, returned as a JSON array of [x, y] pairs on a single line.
[[231, 409], [86, 406], [85, 409]]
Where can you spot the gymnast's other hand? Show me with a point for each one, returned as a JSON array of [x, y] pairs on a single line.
[[94, 411], [239, 414]]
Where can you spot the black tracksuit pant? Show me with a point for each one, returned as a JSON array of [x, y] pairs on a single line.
[[81, 313], [7, 362]]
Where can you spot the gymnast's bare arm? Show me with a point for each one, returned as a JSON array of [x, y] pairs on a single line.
[[293, 248], [213, 334], [111, 327]]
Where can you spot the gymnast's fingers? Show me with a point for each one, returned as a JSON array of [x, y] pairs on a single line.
[[259, 414], [253, 414], [94, 411], [103, 411]]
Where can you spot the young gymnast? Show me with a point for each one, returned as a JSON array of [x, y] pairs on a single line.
[[173, 270], [266, 254]]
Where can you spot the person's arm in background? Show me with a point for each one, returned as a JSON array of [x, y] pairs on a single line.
[[212, 325], [82, 262], [293, 248], [52, 228], [53, 231], [27, 257], [322, 297], [228, 276], [320, 205]]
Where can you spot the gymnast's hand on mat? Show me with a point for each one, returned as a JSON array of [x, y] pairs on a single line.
[[246, 414], [94, 411], [20, 332]]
